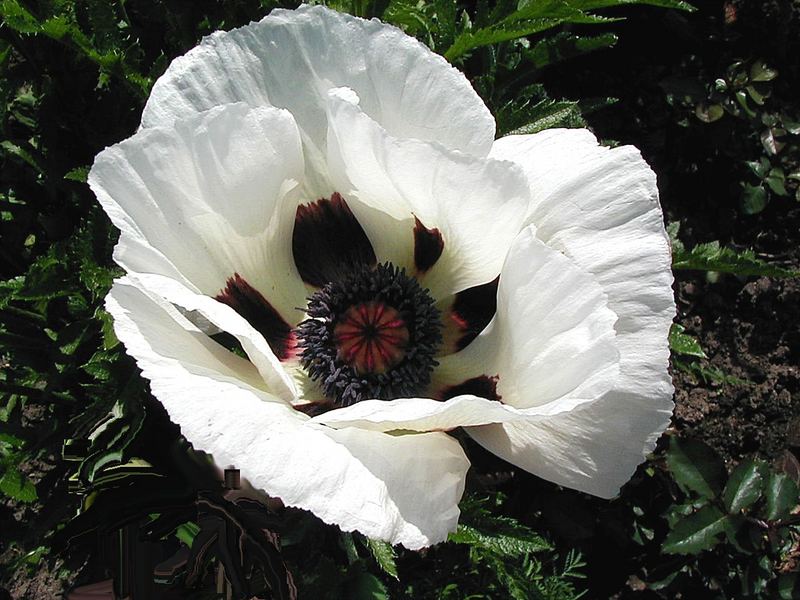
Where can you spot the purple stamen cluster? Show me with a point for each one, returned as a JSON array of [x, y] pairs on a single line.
[[394, 359]]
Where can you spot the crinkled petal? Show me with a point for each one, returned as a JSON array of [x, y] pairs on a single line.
[[599, 206], [208, 198], [292, 58], [420, 414], [476, 205], [551, 344], [420, 476], [594, 448], [550, 348], [176, 355], [278, 380], [403, 489]]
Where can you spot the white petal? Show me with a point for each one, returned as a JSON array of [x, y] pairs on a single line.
[[403, 489], [476, 204], [551, 347], [292, 58], [422, 477], [225, 318], [600, 207], [420, 414], [594, 448], [552, 340], [174, 354], [210, 197]]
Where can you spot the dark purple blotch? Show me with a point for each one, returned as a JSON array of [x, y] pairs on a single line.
[[328, 243], [473, 309], [482, 386], [250, 304], [428, 246]]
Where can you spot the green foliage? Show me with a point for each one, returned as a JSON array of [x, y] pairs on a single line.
[[491, 555], [683, 343], [103, 48], [781, 496], [480, 528], [13, 483], [743, 519], [686, 350], [507, 22], [384, 556], [699, 531], [700, 371], [507, 40], [744, 487], [712, 256], [743, 92], [695, 467]]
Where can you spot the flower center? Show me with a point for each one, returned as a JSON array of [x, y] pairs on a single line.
[[371, 337], [372, 334]]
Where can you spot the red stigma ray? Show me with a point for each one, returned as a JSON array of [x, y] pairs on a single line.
[[371, 337]]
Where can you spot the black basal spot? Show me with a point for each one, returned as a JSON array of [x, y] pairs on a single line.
[[250, 304], [482, 386], [428, 246], [328, 242]]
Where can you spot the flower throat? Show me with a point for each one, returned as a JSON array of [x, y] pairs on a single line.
[[371, 335]]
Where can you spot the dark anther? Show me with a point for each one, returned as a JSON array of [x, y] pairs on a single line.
[[372, 334]]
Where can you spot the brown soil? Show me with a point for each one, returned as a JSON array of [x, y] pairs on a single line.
[[750, 329]]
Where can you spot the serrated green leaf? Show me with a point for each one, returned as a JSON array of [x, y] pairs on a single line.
[[15, 485], [24, 154], [488, 36], [683, 343], [56, 27], [17, 17], [110, 339], [697, 532], [566, 45], [79, 174], [530, 18], [548, 114], [781, 494], [744, 486], [595, 4], [696, 466], [384, 555], [506, 544], [712, 257]]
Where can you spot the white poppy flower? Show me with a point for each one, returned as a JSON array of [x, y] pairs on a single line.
[[328, 192]]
